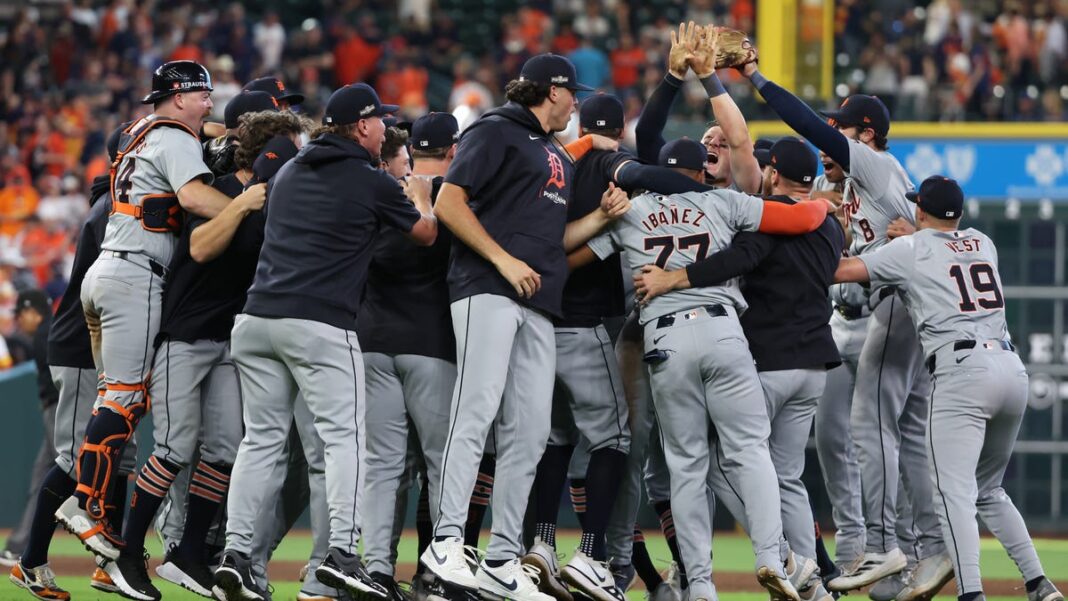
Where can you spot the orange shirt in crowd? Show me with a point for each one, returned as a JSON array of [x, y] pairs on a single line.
[[354, 59], [18, 200], [626, 67]]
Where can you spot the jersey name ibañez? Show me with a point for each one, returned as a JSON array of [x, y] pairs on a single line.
[[951, 284], [874, 196], [677, 230]]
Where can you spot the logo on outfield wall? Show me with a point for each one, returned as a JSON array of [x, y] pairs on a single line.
[[955, 160], [1045, 165]]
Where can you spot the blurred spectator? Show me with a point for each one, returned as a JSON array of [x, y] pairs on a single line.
[[591, 65], [592, 24], [627, 62], [270, 39]]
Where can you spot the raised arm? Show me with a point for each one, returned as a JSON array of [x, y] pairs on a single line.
[[649, 132], [632, 175], [801, 118], [792, 220], [211, 238], [851, 269]]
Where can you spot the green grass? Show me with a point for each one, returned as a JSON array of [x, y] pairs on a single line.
[[731, 553]]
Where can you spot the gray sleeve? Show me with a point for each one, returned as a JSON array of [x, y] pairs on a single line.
[[181, 159], [892, 264], [868, 168], [606, 243], [742, 211]]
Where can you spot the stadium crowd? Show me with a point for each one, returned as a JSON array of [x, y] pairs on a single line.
[[71, 71]]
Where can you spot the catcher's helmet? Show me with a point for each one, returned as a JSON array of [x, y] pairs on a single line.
[[177, 76]]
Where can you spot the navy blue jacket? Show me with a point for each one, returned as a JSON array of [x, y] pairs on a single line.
[[518, 183], [68, 338], [325, 211]]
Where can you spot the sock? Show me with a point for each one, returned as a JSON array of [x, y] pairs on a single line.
[[480, 499], [823, 558], [1031, 585], [56, 488], [207, 489], [548, 489], [103, 425], [423, 526], [578, 500], [970, 596], [153, 482], [667, 525], [643, 564], [116, 505], [603, 476]]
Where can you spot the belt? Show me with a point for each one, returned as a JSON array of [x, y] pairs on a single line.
[[713, 311], [963, 345], [141, 261], [851, 312]]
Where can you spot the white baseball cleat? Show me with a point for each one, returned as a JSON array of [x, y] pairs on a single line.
[[591, 577], [869, 568], [927, 578], [447, 560], [95, 535], [779, 587], [513, 581], [543, 557]]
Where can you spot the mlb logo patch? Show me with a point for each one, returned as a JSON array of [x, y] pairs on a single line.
[[692, 314], [601, 122], [424, 143], [672, 161]]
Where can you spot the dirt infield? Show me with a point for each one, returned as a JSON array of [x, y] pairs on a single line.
[[725, 581]]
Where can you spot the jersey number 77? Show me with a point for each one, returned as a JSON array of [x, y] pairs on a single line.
[[668, 244]]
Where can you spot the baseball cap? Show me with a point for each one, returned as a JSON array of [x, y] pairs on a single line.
[[861, 110], [794, 160], [274, 87], [684, 153], [762, 151], [275, 153], [603, 111], [247, 102], [554, 70], [435, 130], [33, 299], [353, 102], [940, 197]]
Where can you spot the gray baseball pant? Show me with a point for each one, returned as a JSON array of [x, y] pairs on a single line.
[[401, 389], [42, 463], [834, 440], [709, 379], [891, 390], [275, 358], [77, 396], [977, 404], [506, 361]]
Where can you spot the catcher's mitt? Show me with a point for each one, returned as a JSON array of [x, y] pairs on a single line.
[[733, 48]]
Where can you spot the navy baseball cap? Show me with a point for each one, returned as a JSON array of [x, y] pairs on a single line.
[[684, 153], [435, 130], [762, 151], [863, 111], [351, 103], [33, 299], [274, 87], [794, 160], [275, 153], [247, 102], [940, 197], [603, 111], [554, 70]]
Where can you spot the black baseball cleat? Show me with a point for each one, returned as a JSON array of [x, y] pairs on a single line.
[[233, 579], [129, 573], [188, 573], [428, 587], [393, 591], [344, 571]]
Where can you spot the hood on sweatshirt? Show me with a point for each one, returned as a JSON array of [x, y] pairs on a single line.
[[329, 148], [515, 112]]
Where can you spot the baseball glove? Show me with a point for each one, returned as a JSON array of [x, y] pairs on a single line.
[[733, 48]]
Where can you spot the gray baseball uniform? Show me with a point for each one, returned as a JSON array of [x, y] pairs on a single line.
[[889, 379], [701, 370], [77, 397], [952, 289]]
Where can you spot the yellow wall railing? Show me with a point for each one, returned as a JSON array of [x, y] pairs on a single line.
[[912, 129]]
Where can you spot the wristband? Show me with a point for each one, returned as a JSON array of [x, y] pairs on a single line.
[[672, 80], [713, 86], [758, 80]]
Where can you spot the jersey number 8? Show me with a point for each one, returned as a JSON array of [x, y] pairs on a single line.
[[668, 244], [983, 283]]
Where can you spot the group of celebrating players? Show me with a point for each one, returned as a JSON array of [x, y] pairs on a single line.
[[325, 316]]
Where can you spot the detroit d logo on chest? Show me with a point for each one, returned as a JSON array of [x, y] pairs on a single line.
[[557, 181]]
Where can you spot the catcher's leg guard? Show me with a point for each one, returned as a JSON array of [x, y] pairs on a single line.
[[106, 435]]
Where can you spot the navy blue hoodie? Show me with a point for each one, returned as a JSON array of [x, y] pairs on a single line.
[[325, 210], [518, 183]]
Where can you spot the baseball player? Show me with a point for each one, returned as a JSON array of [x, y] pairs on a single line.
[[948, 279], [506, 279], [691, 381], [409, 350], [781, 276], [891, 385], [158, 173], [70, 361], [274, 86], [298, 330], [588, 395]]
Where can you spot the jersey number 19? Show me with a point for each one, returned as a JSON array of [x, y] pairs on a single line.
[[982, 282]]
